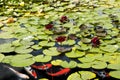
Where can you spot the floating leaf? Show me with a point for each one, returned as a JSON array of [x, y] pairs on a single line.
[[1, 57], [56, 62], [46, 43], [86, 75], [71, 64], [6, 48], [115, 74], [75, 54], [42, 58], [114, 66], [43, 79], [22, 60], [51, 51], [86, 40], [36, 47], [7, 59], [109, 48], [74, 76], [84, 65], [86, 59], [99, 65], [23, 49]]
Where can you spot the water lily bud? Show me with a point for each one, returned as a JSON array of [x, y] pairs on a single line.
[[22, 4]]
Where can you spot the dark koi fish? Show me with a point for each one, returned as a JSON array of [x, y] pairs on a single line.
[[43, 67], [30, 71], [59, 73], [102, 74]]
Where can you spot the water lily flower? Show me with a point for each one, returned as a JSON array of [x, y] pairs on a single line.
[[61, 38], [49, 26], [95, 42], [63, 19]]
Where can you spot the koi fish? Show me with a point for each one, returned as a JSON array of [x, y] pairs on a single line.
[[43, 67], [21, 75], [30, 71], [102, 74], [59, 73]]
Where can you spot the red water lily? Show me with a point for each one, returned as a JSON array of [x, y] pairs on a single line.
[[95, 42], [61, 38], [49, 26], [63, 19]]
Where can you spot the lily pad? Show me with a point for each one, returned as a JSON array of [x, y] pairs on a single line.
[[74, 76], [23, 50], [99, 65], [109, 48], [115, 74], [6, 48], [71, 64], [42, 58], [22, 60], [36, 47], [51, 51], [86, 59], [75, 54], [46, 43], [114, 66], [56, 62], [7, 59], [84, 65], [69, 42], [87, 75], [1, 57]]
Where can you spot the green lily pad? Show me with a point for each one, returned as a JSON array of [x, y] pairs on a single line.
[[86, 59], [99, 65], [1, 57], [74, 76], [84, 65], [115, 74], [51, 51], [69, 42], [46, 43], [56, 62], [36, 47], [109, 48], [43, 79], [7, 59], [86, 40], [22, 60], [75, 54], [95, 50], [114, 66], [6, 48], [71, 64], [87, 75], [42, 58], [23, 50]]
